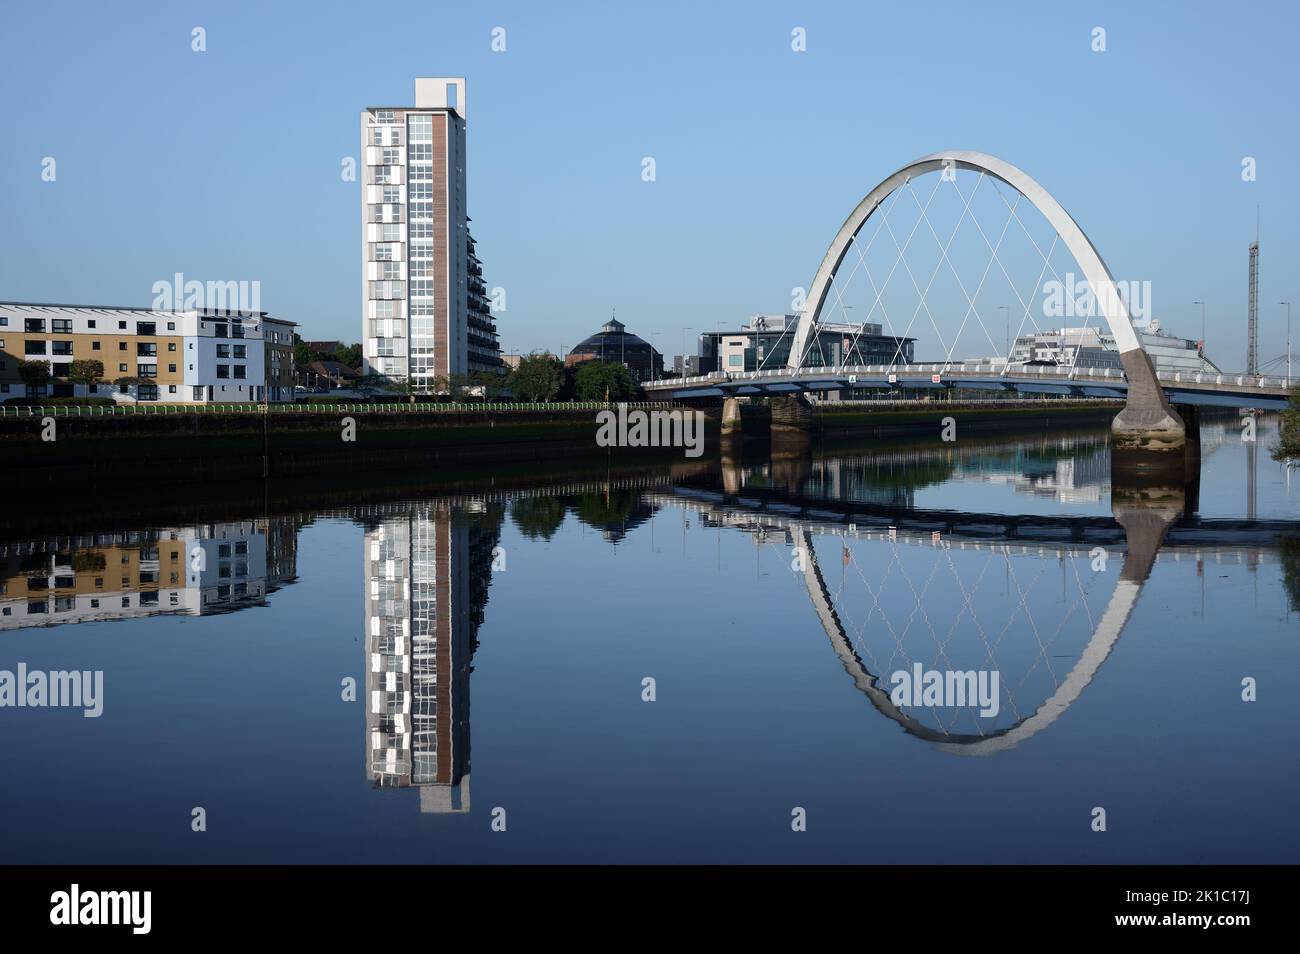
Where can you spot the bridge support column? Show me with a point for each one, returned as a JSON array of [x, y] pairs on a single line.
[[1147, 437], [792, 425], [732, 426], [1146, 516]]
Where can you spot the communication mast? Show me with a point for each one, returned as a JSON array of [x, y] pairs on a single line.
[[1252, 313]]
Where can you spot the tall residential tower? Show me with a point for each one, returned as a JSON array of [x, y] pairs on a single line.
[[424, 310]]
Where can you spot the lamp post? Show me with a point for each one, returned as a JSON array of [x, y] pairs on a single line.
[[1202, 304], [1288, 340], [1007, 309], [684, 330]]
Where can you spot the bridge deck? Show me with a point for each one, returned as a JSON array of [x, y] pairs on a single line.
[[1223, 390]]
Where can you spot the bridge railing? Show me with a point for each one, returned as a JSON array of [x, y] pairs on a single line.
[[991, 371], [151, 410]]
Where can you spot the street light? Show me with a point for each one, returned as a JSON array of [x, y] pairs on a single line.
[[1202, 304], [1007, 309], [684, 330], [1288, 340]]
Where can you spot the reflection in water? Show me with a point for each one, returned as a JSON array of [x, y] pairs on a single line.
[[1043, 600], [1070, 468], [427, 575], [194, 570]]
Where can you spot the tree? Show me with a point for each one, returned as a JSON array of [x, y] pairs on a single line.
[[34, 374], [604, 381], [1287, 449], [349, 355], [539, 377], [488, 383], [87, 371], [302, 355], [538, 517]]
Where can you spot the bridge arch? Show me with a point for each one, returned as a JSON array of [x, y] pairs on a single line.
[[1147, 412]]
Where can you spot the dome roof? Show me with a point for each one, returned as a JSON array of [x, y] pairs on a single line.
[[612, 341]]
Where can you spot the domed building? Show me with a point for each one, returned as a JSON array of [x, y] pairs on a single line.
[[614, 343]]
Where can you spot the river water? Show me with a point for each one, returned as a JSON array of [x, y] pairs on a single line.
[[695, 663]]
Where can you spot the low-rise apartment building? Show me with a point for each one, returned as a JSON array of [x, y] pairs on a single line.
[[199, 356]]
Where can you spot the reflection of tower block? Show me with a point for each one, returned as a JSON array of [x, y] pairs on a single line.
[[438, 799], [421, 621]]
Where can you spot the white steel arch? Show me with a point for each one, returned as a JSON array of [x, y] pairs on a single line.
[[1079, 245], [1147, 418]]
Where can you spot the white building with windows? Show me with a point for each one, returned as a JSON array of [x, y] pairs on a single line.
[[174, 357], [425, 313]]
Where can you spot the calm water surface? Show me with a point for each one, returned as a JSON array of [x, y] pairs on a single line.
[[500, 641]]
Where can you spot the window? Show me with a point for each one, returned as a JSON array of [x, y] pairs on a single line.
[[223, 371], [148, 371], [171, 346], [121, 346], [145, 327], [383, 115], [146, 349], [33, 347], [90, 323], [241, 351], [391, 233], [4, 322], [121, 326], [171, 326], [61, 326], [223, 351], [171, 369], [171, 389], [34, 325], [391, 194], [735, 360], [147, 392], [241, 371], [221, 331], [94, 346], [121, 367], [61, 347]]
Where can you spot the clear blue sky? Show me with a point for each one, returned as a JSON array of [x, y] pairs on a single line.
[[225, 165]]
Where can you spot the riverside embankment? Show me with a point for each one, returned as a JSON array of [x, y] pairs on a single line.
[[71, 447]]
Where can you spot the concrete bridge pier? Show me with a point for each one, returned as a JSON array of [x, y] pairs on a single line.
[[1146, 515], [792, 426], [1148, 438], [732, 435]]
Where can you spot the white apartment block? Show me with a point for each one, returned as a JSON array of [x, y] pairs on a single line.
[[423, 312], [196, 356]]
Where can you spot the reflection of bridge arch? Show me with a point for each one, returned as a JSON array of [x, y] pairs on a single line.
[[1138, 529], [1099, 646]]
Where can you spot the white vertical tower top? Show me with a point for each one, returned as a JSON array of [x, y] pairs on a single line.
[[440, 92]]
